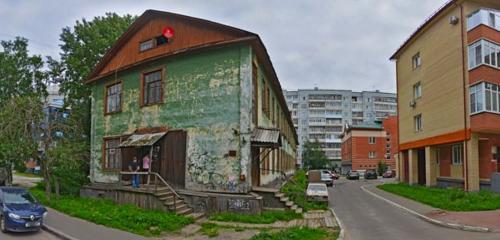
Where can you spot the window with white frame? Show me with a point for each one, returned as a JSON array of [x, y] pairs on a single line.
[[371, 140], [416, 61], [417, 90], [457, 154], [418, 123], [372, 154], [484, 96], [487, 17], [484, 52]]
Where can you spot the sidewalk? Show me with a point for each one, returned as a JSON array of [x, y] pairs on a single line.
[[74, 228], [471, 221]]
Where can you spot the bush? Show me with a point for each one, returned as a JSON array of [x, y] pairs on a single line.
[[296, 188], [125, 217], [448, 199], [265, 218]]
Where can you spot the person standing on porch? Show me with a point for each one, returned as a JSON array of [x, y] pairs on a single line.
[[134, 167], [146, 163]]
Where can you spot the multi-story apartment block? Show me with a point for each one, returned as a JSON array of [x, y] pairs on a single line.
[[366, 145], [321, 114], [448, 78]]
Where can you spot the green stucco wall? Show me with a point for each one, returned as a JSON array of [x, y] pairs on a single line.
[[203, 96]]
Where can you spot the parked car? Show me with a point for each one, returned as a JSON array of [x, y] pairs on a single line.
[[317, 192], [361, 173], [352, 174], [3, 176], [389, 174], [20, 211], [371, 174], [327, 178]]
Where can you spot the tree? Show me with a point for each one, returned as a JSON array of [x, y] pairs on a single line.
[[382, 167], [22, 86], [313, 157], [83, 45], [20, 118], [20, 73]]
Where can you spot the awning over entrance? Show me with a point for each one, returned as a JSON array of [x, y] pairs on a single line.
[[266, 137], [142, 140]]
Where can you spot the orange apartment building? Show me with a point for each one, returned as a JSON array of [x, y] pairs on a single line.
[[364, 146], [448, 82]]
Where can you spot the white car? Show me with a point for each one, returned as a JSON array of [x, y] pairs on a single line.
[[317, 192]]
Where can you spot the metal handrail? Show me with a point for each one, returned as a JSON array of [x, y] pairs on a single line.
[[157, 176]]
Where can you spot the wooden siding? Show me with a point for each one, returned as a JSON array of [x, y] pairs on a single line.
[[188, 34]]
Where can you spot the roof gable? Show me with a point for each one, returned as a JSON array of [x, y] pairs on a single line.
[[189, 33]]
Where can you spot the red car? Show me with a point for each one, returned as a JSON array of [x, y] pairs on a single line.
[[389, 174]]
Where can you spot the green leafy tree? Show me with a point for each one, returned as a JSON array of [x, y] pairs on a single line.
[[22, 86], [313, 157], [82, 46], [382, 167]]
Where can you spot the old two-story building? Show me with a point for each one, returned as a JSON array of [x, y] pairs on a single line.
[[202, 100], [448, 82], [366, 145]]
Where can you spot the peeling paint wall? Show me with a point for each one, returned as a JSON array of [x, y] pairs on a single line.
[[202, 95]]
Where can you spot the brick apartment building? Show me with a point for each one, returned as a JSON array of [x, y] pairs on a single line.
[[365, 145], [448, 82]]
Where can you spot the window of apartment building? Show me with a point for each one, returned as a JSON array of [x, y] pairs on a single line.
[[484, 52], [418, 123], [416, 61], [457, 154], [371, 140], [484, 97], [487, 17], [417, 90], [438, 156], [112, 154], [152, 90], [372, 154], [388, 156], [114, 98]]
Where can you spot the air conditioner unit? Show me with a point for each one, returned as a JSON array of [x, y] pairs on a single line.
[[413, 103]]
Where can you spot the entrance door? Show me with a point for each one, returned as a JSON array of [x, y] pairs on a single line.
[[406, 167], [255, 167], [173, 161], [421, 166]]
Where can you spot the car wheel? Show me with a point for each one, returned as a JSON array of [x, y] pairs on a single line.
[[3, 228]]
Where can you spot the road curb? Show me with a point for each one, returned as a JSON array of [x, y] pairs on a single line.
[[341, 226], [428, 219], [57, 233]]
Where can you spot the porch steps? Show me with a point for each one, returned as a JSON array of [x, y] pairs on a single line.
[[288, 203], [174, 204]]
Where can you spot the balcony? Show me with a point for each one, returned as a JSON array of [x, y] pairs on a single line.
[[488, 17], [484, 107]]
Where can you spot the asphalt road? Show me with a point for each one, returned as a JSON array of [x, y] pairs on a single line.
[[42, 235], [367, 217]]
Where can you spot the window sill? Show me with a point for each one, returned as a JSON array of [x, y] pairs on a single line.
[[151, 104], [111, 113], [484, 111]]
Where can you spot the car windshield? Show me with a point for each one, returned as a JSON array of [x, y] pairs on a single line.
[[317, 188], [18, 197]]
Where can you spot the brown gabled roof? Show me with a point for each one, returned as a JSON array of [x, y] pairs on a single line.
[[421, 27], [241, 36]]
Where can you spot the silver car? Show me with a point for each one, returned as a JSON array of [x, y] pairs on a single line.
[[317, 192]]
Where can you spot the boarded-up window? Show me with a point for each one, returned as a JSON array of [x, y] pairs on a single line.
[[152, 88], [114, 98], [112, 154]]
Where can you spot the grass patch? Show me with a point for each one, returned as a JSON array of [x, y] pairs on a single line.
[[209, 229], [296, 233], [451, 199], [265, 218], [125, 217], [296, 188]]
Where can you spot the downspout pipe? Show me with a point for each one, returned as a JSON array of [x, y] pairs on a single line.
[[466, 153]]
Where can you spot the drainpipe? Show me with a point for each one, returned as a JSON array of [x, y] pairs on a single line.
[[466, 159]]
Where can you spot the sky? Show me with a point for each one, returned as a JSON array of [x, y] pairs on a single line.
[[332, 44]]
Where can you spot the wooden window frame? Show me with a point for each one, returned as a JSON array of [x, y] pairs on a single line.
[[103, 152], [106, 97], [162, 88]]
